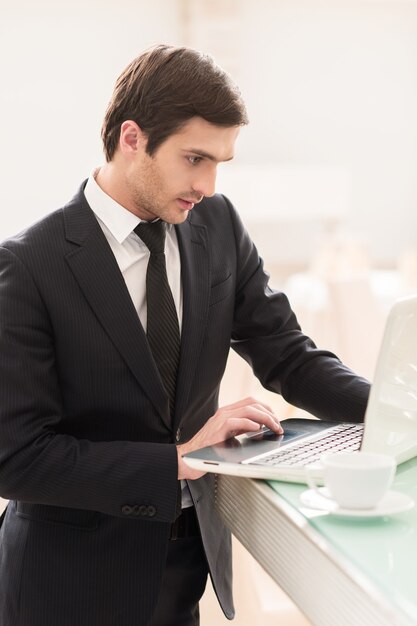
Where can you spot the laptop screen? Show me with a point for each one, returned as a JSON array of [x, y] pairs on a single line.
[[391, 416]]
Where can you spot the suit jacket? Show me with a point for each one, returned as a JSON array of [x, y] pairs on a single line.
[[87, 447]]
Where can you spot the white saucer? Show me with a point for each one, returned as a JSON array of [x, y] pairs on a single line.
[[393, 502]]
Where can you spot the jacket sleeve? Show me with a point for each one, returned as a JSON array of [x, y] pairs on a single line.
[[37, 462], [267, 335]]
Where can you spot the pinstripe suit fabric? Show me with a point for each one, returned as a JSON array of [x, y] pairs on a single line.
[[87, 453]]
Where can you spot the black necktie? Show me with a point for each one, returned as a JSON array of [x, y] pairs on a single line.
[[162, 320]]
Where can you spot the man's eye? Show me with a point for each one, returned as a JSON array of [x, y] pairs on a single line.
[[194, 160]]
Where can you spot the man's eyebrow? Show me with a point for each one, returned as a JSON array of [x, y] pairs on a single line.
[[207, 155]]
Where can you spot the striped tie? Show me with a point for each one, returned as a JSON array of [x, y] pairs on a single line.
[[162, 325]]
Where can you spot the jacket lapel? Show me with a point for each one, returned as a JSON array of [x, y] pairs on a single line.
[[195, 273], [98, 275]]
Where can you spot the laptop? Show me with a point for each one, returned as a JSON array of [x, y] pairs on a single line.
[[390, 424]]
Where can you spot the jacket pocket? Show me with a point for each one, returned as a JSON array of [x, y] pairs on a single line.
[[73, 518], [220, 291]]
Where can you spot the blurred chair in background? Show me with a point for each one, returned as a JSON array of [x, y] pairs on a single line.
[[337, 303]]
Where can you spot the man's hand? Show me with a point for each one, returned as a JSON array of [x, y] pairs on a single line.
[[228, 421]]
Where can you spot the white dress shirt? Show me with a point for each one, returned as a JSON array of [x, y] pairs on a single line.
[[132, 255]]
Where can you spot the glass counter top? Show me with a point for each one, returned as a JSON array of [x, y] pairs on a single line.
[[384, 548]]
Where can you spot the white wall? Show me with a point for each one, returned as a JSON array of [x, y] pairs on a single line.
[[334, 83], [58, 64], [329, 84]]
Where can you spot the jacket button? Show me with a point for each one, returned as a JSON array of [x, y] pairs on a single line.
[[151, 511], [143, 510], [126, 509], [178, 435]]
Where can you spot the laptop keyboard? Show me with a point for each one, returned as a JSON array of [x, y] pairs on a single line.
[[341, 438]]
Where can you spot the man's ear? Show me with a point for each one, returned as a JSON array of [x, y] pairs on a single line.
[[132, 138]]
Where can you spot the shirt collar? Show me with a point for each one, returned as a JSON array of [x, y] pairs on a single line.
[[117, 219]]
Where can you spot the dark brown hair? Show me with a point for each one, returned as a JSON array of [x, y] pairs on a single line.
[[165, 87]]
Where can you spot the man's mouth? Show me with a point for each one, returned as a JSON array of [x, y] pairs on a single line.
[[187, 204]]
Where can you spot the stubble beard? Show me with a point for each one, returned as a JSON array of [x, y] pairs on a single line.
[[147, 194]]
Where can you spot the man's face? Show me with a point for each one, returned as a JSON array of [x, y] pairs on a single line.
[[180, 172]]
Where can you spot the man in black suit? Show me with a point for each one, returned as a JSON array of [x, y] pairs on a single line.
[[106, 525]]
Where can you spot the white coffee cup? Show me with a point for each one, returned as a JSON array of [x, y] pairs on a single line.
[[354, 480]]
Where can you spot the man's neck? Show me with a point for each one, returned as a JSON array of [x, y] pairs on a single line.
[[110, 179]]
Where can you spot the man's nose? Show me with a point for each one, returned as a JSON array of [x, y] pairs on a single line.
[[206, 184]]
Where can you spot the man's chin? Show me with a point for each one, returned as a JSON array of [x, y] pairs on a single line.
[[178, 218]]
